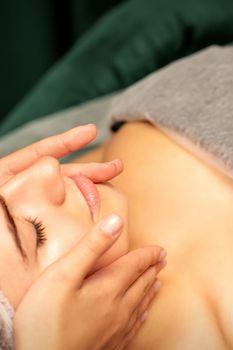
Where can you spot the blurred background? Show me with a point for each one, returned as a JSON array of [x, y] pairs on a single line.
[[56, 54], [34, 34]]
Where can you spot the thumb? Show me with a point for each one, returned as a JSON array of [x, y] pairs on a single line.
[[77, 263]]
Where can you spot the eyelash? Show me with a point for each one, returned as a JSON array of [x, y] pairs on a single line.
[[40, 232]]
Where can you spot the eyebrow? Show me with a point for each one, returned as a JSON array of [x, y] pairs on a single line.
[[13, 228]]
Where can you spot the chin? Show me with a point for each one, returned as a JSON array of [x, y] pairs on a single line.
[[113, 202]]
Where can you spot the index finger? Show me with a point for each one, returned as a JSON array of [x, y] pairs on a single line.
[[56, 146], [134, 264]]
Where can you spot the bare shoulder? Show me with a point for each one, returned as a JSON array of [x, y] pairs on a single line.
[[195, 199], [101, 153], [128, 132]]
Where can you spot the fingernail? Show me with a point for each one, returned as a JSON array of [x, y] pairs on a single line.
[[111, 225], [163, 263], [144, 316], [116, 162], [85, 126], [162, 254], [157, 285], [111, 161]]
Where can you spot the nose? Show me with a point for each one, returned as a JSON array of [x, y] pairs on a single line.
[[48, 175], [43, 178]]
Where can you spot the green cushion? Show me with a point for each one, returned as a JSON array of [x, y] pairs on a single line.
[[130, 41]]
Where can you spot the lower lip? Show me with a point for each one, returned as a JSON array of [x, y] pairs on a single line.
[[89, 192]]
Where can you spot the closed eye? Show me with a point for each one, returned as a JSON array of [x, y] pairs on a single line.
[[40, 231], [13, 228]]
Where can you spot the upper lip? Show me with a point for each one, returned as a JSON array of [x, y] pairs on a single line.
[[89, 192]]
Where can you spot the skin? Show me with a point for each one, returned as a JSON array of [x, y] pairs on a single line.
[[184, 205], [191, 217], [100, 311], [55, 146], [57, 202], [18, 162], [27, 273]]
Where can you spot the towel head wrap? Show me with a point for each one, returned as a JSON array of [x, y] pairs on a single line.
[[6, 324]]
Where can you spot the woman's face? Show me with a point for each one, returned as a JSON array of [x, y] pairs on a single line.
[[43, 217]]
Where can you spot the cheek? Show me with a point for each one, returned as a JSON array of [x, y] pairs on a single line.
[[121, 247], [115, 202], [70, 225], [15, 278], [62, 236]]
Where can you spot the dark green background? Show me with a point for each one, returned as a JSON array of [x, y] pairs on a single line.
[[82, 49], [34, 34]]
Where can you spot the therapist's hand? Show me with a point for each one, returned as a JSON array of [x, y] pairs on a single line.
[[59, 146], [67, 308]]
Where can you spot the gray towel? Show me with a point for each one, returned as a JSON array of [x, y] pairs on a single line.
[[191, 100]]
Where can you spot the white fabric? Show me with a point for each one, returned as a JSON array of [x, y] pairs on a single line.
[[6, 324]]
